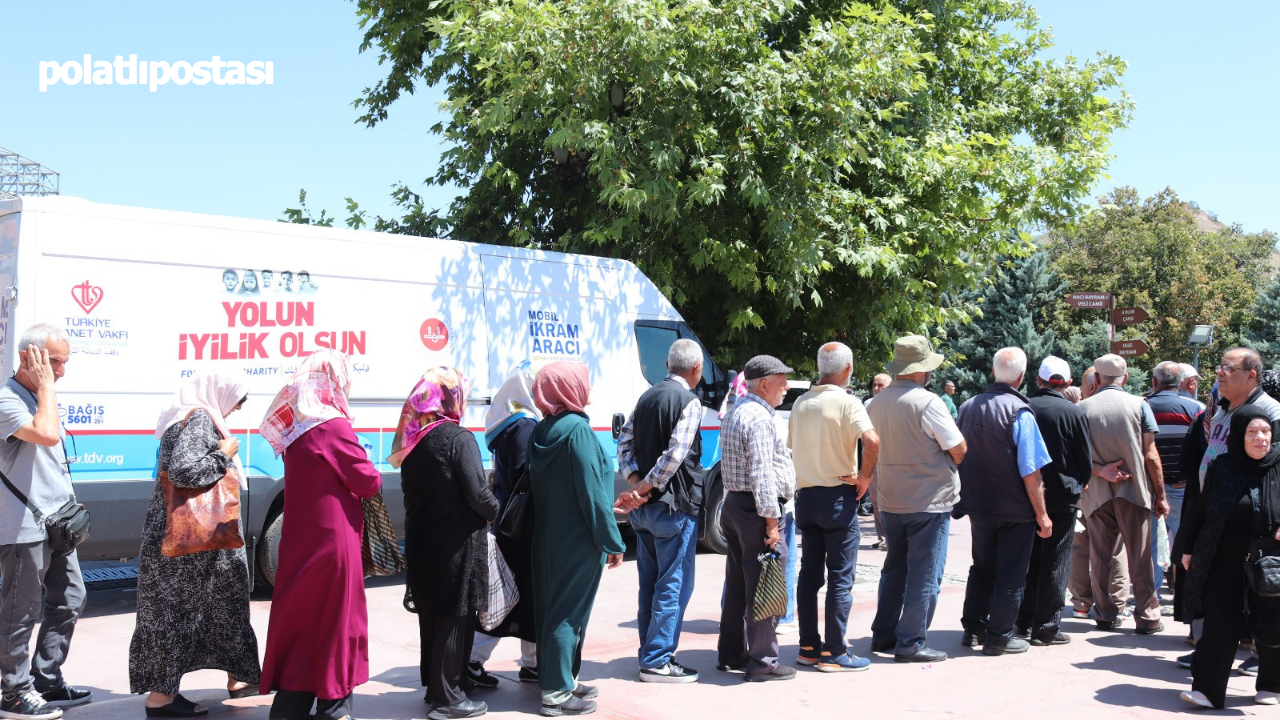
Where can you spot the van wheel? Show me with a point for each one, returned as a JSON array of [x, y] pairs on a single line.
[[712, 506], [269, 549]]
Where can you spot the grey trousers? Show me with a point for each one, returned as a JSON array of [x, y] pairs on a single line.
[[1116, 521], [1081, 584], [28, 571]]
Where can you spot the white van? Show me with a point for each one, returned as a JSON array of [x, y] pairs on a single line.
[[148, 297]]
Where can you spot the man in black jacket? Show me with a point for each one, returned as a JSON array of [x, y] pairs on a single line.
[[1066, 433]]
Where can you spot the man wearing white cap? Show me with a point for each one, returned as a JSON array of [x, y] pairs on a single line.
[[1122, 432], [1190, 385], [1066, 434], [1175, 414]]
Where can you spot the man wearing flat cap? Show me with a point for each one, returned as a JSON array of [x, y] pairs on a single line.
[[1066, 434], [1128, 487], [916, 487], [758, 479]]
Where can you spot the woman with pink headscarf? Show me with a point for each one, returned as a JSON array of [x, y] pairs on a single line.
[[193, 610], [318, 639], [574, 532], [447, 509]]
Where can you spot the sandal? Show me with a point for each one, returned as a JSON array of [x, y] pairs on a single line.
[[179, 707], [249, 690]]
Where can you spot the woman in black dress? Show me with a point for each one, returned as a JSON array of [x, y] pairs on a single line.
[[1239, 506]]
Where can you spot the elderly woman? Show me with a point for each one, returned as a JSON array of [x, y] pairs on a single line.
[[193, 610], [318, 640], [508, 425], [1238, 506], [574, 532], [448, 507]]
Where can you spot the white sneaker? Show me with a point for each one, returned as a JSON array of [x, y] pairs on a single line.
[[1267, 698], [1195, 697]]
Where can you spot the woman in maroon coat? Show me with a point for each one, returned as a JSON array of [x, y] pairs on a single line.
[[318, 639]]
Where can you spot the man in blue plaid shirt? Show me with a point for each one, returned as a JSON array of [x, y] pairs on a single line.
[[758, 480]]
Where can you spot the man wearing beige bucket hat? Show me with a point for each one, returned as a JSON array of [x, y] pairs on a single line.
[[917, 485]]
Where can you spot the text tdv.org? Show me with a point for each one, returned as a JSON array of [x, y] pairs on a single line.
[[154, 73]]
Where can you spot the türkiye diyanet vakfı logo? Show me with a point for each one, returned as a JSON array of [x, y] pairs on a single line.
[[154, 73]]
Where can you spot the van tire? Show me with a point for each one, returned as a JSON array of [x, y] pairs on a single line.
[[712, 506], [269, 549]]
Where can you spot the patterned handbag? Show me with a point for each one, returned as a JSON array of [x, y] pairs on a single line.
[[503, 594], [771, 589], [379, 548]]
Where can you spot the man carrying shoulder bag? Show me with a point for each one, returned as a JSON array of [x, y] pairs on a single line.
[[37, 583]]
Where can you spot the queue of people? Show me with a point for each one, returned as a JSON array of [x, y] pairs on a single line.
[[1026, 471]]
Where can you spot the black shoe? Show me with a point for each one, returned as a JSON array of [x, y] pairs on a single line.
[[30, 706], [1057, 639], [572, 706], [779, 672], [738, 668], [1012, 647], [883, 647], [1108, 625], [479, 677], [974, 639], [586, 692], [1023, 633], [464, 709], [924, 654], [179, 707], [1150, 630], [528, 675], [1185, 660], [67, 696]]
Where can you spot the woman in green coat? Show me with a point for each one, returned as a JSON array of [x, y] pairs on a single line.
[[574, 534]]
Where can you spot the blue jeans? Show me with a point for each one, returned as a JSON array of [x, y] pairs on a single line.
[[997, 577], [828, 521], [789, 535], [911, 578], [666, 545], [1173, 521]]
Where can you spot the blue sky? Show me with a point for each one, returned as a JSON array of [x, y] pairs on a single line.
[[1204, 76]]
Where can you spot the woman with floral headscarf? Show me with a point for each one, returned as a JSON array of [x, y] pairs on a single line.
[[318, 639], [193, 610], [447, 509], [574, 532]]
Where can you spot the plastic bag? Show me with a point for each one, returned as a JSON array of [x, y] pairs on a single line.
[[1162, 544], [503, 594]]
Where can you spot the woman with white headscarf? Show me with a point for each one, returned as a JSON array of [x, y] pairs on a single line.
[[508, 425], [193, 610]]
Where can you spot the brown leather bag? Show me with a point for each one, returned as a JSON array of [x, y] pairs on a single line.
[[201, 519]]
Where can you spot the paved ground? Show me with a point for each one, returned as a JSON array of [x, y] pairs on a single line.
[[1097, 675]]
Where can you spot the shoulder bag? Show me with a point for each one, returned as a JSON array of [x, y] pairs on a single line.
[[1262, 567], [68, 526], [516, 521], [204, 518]]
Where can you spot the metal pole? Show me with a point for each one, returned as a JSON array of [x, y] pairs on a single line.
[[1195, 358]]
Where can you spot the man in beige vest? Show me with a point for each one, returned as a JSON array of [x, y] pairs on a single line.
[[1122, 430]]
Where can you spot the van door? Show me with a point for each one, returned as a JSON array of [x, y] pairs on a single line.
[[653, 341]]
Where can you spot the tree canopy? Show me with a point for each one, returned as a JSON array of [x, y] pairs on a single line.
[[786, 173]]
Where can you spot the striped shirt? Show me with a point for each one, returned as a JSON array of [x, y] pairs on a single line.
[[754, 457]]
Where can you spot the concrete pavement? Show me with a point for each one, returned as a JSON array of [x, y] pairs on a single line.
[[1098, 675]]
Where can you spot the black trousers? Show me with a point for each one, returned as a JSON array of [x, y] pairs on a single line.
[[1224, 625], [294, 705], [742, 639], [1001, 553], [446, 648], [1045, 593]]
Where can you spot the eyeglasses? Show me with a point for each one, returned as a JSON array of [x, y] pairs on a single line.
[[1227, 368]]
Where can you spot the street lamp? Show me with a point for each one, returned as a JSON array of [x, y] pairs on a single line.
[[1201, 335]]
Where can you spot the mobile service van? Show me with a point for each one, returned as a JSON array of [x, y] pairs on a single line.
[[149, 297]]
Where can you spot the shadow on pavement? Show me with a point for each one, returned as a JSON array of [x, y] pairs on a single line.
[[1137, 696]]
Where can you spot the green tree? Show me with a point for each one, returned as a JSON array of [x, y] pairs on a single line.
[[1151, 253], [1014, 305], [1263, 331], [786, 173]]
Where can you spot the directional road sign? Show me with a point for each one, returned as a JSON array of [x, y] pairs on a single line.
[[1129, 316], [1089, 300], [1129, 348]]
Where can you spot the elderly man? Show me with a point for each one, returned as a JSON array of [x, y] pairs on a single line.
[[824, 429], [1239, 376], [918, 485], [1190, 385], [1122, 432], [759, 480], [1175, 413], [660, 452], [949, 391], [867, 505], [1001, 492], [1066, 433], [39, 585]]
